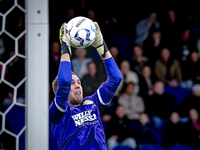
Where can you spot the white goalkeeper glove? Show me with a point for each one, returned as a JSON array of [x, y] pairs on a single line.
[[99, 43], [64, 41]]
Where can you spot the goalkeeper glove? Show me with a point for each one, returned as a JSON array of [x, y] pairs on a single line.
[[64, 41], [99, 43]]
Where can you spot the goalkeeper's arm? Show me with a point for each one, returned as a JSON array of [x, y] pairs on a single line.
[[59, 106], [64, 73], [108, 89]]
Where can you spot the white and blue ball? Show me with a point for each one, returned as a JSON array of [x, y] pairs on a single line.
[[81, 31]]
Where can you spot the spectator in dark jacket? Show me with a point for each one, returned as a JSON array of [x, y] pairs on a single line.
[[173, 131], [138, 60], [190, 71], [192, 129], [146, 82], [119, 130], [160, 104], [189, 102], [92, 80], [143, 131]]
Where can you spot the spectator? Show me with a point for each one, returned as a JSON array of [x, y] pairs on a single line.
[[188, 43], [115, 53], [167, 68], [120, 130], [143, 131], [8, 100], [146, 81], [190, 71], [159, 106], [142, 27], [133, 104], [92, 80], [153, 45], [91, 14], [54, 59], [138, 60], [127, 76], [190, 102], [173, 131], [79, 64], [70, 14], [111, 22], [193, 128], [171, 32]]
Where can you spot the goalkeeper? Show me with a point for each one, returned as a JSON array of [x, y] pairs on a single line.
[[75, 121]]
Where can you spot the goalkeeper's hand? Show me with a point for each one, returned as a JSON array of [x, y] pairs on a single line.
[[64, 41], [99, 43]]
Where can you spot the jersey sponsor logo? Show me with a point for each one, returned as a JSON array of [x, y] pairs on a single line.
[[80, 118], [87, 102]]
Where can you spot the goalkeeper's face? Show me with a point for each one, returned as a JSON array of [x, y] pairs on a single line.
[[76, 93]]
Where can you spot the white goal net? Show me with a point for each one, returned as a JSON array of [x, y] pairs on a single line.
[[24, 74]]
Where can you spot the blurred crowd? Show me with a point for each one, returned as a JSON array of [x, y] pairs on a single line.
[[156, 45]]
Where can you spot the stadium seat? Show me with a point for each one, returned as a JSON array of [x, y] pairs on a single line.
[[16, 121], [151, 147], [180, 147]]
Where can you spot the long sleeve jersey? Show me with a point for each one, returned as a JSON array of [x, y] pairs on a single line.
[[81, 127]]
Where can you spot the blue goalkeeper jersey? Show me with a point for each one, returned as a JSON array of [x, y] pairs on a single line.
[[80, 128]]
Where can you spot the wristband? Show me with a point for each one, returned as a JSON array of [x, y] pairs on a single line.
[[65, 49]]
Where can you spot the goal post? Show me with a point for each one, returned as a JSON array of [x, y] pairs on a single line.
[[37, 73]]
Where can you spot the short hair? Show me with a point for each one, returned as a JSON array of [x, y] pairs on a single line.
[[130, 82], [138, 45], [92, 62], [55, 83]]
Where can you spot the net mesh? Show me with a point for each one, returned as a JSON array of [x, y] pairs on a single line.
[[12, 74]]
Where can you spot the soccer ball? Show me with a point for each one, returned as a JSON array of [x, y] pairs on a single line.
[[81, 31]]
